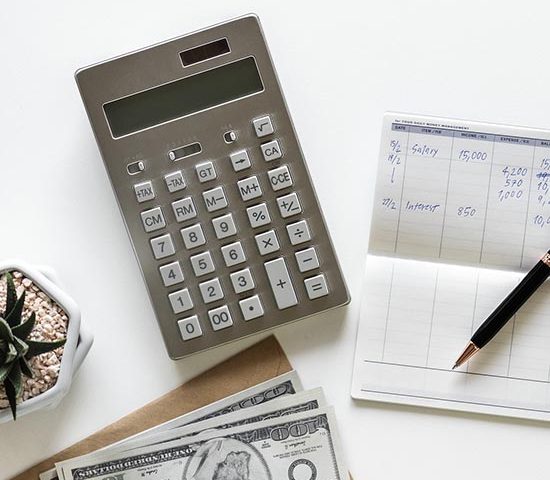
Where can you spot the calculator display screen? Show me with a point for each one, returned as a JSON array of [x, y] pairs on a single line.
[[183, 97]]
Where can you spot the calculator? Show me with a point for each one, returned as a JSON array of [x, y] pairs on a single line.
[[213, 187]]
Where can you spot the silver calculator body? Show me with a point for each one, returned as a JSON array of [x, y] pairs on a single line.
[[213, 187]]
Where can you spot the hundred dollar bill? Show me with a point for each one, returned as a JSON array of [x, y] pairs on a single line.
[[305, 445], [300, 402], [283, 385]]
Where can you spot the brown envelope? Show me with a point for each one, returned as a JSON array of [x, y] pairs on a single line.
[[257, 364]]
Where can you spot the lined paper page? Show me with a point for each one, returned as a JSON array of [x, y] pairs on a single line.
[[462, 192], [461, 211]]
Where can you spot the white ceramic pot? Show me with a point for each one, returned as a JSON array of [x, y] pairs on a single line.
[[77, 346]]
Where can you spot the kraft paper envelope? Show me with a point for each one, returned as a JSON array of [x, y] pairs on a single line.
[[261, 362]]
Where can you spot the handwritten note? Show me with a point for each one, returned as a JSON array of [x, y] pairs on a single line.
[[461, 209]]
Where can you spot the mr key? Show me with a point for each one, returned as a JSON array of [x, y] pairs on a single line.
[[213, 186]]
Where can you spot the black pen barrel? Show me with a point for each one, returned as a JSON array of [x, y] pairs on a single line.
[[511, 304]]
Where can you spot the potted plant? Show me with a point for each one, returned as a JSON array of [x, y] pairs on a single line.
[[42, 342]]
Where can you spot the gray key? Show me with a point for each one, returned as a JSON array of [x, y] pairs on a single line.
[[280, 283], [153, 219], [162, 246], [184, 209]]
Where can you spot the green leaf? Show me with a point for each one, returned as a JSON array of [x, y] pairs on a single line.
[[11, 295], [24, 330], [14, 317], [21, 347], [16, 378], [25, 367], [5, 371], [12, 397], [37, 348], [5, 331], [12, 353]]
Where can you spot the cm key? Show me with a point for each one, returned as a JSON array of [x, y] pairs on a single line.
[[280, 283]]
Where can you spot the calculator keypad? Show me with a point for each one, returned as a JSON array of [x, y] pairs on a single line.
[[268, 237]]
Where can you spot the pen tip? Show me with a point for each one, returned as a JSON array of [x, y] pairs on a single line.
[[454, 366]]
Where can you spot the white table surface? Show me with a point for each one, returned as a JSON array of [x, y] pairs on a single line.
[[341, 66]]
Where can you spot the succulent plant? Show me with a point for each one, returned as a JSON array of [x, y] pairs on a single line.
[[15, 346]]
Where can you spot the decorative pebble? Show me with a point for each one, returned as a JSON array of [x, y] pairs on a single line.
[[51, 324]]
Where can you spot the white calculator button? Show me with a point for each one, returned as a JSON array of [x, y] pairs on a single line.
[[174, 181], [240, 160], [289, 205], [171, 274], [190, 327], [184, 209], [202, 263], [263, 126], [267, 242], [271, 150], [162, 246], [316, 286], [153, 219], [205, 172], [307, 259], [258, 215], [220, 318], [211, 290], [181, 301], [249, 188], [298, 232], [279, 178], [193, 236], [233, 254], [280, 283], [242, 280], [214, 199], [251, 307], [144, 191], [224, 226]]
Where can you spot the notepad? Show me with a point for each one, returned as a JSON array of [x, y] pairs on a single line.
[[461, 212]]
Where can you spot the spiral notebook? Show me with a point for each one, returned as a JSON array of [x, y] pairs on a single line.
[[461, 212]]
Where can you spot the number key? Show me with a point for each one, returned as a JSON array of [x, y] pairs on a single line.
[[220, 318], [211, 290], [224, 226], [181, 301], [162, 246], [242, 280], [202, 263], [190, 327], [233, 254], [171, 274], [193, 236]]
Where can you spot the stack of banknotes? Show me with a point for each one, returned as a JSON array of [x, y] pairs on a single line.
[[272, 431]]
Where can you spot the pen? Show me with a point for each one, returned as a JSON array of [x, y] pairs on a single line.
[[507, 309]]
